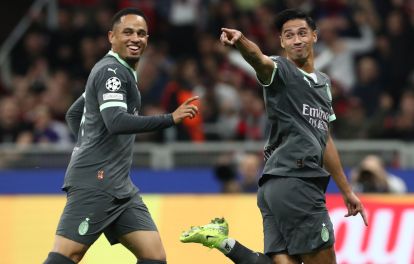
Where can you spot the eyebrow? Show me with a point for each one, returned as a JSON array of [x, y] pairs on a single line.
[[289, 29], [132, 29]]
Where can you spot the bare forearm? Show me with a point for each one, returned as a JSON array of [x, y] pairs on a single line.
[[261, 63], [334, 167], [250, 51]]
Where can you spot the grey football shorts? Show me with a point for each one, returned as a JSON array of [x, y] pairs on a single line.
[[90, 212], [295, 217]]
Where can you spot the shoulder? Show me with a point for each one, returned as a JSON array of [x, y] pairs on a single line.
[[110, 66], [110, 70], [283, 64], [278, 59]]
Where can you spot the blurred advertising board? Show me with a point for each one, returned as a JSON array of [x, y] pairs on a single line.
[[389, 237], [28, 224]]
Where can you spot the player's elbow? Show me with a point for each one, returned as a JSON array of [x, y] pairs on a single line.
[[68, 117]]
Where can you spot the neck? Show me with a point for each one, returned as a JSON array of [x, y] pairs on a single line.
[[132, 63], [305, 64]]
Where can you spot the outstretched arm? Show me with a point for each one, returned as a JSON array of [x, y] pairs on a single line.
[[261, 63], [334, 167]]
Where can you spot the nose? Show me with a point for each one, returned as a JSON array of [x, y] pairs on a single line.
[[135, 37], [297, 40]]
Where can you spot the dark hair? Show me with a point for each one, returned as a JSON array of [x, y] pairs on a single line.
[[123, 12], [290, 14]]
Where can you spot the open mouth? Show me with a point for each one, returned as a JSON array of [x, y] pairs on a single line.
[[134, 49]]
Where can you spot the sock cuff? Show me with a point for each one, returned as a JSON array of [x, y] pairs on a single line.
[[227, 245]]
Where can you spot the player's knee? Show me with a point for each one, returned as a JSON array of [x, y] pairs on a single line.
[[57, 258], [151, 261]]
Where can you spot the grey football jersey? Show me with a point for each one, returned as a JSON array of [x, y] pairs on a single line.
[[299, 111], [102, 156]]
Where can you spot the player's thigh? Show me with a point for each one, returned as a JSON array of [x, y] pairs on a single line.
[[136, 230], [144, 244], [298, 206], [285, 259], [86, 214], [326, 255], [69, 248], [274, 243]]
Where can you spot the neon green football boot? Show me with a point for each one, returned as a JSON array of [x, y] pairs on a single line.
[[210, 235]]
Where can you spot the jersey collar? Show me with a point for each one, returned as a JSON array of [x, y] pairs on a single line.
[[313, 77], [124, 63]]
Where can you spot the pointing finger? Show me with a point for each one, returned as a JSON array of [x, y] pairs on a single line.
[[364, 216], [227, 30], [189, 100]]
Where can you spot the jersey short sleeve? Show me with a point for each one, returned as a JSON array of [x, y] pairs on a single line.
[[111, 87], [279, 71]]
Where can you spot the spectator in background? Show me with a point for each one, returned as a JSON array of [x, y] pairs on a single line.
[[252, 125], [352, 125], [249, 168], [369, 86], [78, 41], [63, 41], [372, 177], [403, 121], [238, 173], [177, 92], [397, 54], [57, 95], [47, 130], [338, 53], [12, 128], [184, 19], [388, 123], [32, 49], [225, 173]]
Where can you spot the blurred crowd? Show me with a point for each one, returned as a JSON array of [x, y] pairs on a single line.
[[366, 47]]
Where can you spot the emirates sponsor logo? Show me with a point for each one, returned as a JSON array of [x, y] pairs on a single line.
[[317, 117]]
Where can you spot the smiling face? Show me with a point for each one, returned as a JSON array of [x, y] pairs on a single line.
[[129, 38], [297, 38]]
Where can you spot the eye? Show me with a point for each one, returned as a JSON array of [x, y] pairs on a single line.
[[288, 35], [127, 32], [142, 33]]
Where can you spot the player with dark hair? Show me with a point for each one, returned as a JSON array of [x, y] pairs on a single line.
[[101, 197], [300, 154]]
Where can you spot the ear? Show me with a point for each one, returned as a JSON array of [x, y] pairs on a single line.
[[110, 36], [281, 42], [315, 36]]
